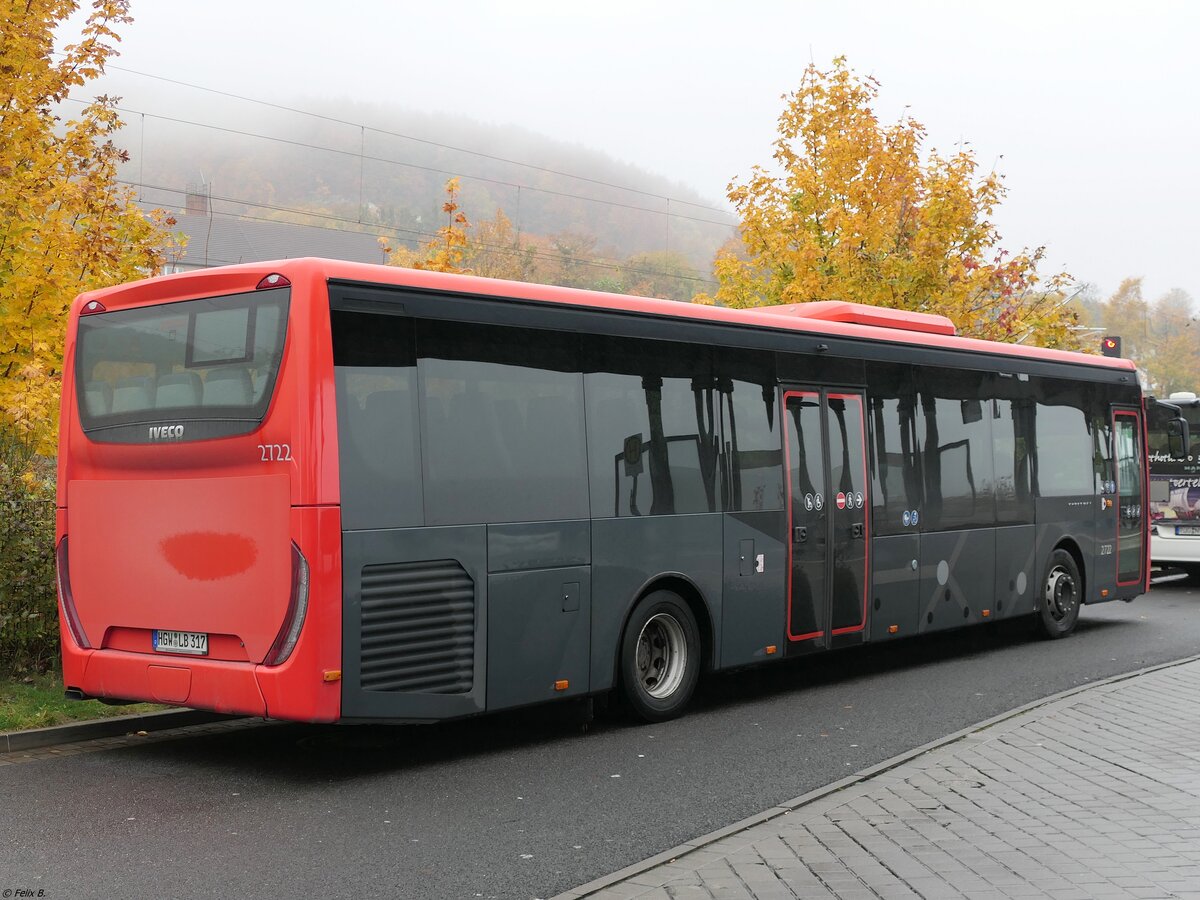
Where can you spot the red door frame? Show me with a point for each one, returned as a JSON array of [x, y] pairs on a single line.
[[1136, 415], [823, 396]]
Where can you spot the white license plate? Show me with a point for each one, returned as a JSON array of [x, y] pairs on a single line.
[[1187, 529], [181, 642]]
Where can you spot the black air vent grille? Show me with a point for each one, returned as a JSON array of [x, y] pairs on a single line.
[[418, 628]]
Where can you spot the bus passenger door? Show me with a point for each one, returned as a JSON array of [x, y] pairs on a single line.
[[827, 518], [1130, 465]]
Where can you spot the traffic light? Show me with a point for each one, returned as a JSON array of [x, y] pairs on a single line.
[[1110, 345]]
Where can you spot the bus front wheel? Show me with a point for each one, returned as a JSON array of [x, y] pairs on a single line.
[[660, 657], [1062, 594]]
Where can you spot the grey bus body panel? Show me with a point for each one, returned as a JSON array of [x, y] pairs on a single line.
[[465, 545], [539, 545], [1017, 575], [895, 586], [539, 605], [1071, 520], [753, 605], [631, 554], [957, 577], [538, 635]]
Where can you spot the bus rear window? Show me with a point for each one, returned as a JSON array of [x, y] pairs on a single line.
[[210, 363]]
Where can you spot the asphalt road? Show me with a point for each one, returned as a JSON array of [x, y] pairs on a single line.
[[526, 805]]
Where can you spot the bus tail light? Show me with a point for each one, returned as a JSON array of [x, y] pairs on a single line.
[[92, 306], [70, 615], [274, 280], [285, 643]]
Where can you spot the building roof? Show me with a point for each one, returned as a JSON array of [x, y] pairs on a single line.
[[217, 240]]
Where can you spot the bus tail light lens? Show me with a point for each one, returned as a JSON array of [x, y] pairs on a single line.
[[285, 643], [274, 280], [67, 600]]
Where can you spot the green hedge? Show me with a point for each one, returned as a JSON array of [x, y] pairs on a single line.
[[28, 600]]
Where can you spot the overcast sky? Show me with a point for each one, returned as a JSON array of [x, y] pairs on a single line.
[[1090, 109]]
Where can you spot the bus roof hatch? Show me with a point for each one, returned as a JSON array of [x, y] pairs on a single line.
[[861, 314]]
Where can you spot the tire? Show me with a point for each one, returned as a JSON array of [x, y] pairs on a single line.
[[660, 657], [1062, 594]]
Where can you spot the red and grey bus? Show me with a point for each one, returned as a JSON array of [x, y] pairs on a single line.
[[322, 491]]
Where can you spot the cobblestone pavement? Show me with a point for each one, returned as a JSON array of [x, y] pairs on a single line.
[[1095, 794]]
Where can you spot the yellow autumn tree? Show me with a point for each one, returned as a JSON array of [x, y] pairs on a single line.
[[851, 211], [496, 250], [1162, 337], [1173, 361], [66, 225], [445, 251], [1126, 313], [659, 273]]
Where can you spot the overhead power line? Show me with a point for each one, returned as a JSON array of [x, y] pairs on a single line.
[[408, 137], [408, 165], [305, 145], [417, 236]]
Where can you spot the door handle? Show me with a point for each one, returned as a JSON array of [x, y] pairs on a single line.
[[799, 534], [858, 530]]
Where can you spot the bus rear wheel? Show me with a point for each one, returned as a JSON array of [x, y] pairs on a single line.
[[660, 657], [1062, 594]]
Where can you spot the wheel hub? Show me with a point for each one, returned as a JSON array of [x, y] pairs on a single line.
[[661, 656], [1061, 596]]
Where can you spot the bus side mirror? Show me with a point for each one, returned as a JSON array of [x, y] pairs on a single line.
[[1177, 438]]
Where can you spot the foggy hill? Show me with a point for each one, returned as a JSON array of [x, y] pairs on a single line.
[[369, 167]]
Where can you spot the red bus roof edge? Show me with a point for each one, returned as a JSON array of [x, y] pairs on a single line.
[[851, 320]]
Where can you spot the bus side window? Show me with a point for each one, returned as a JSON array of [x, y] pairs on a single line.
[[375, 386], [957, 449], [663, 396], [749, 434], [510, 447], [1063, 455], [1102, 462], [895, 425]]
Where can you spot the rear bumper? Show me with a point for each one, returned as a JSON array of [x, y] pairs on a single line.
[[224, 687], [1170, 548], [233, 688]]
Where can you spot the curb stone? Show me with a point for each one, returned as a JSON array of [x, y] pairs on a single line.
[[115, 726], [845, 784]]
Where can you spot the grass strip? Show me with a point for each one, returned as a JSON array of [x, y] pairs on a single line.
[[37, 701]]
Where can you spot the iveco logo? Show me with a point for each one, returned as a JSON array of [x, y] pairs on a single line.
[[166, 432]]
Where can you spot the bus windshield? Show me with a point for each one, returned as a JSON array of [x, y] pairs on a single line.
[[1174, 483], [210, 361]]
